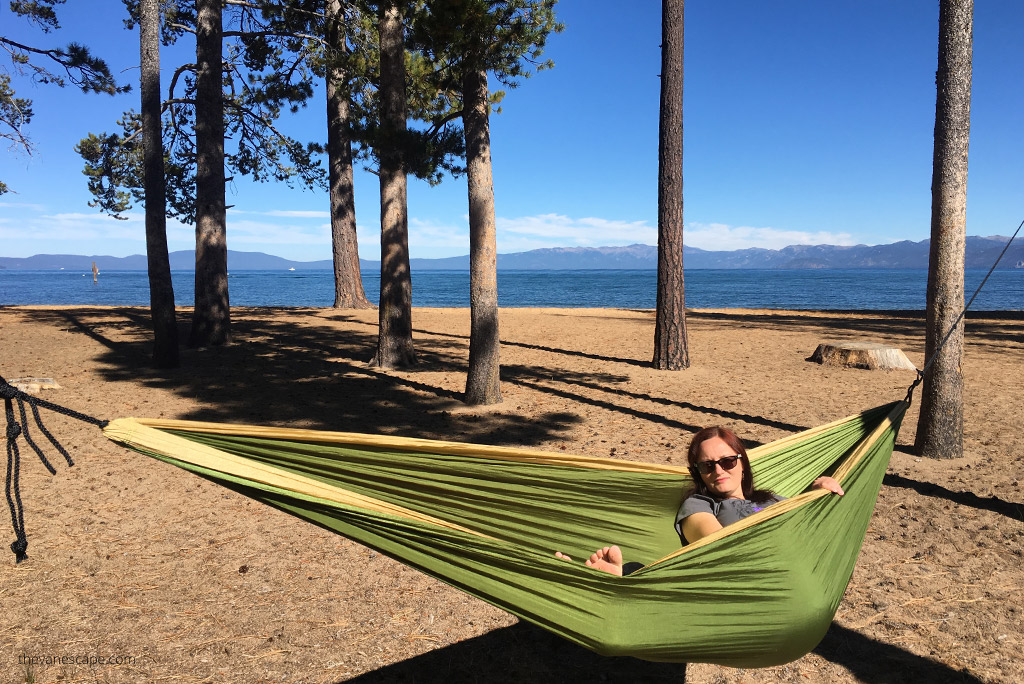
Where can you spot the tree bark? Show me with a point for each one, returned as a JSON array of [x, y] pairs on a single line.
[[671, 350], [212, 316], [483, 380], [941, 422], [348, 283], [161, 289], [394, 340]]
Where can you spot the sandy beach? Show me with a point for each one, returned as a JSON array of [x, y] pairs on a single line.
[[132, 558]]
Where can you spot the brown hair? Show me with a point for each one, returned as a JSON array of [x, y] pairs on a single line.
[[734, 442]]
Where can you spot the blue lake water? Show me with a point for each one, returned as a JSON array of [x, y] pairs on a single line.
[[769, 289]]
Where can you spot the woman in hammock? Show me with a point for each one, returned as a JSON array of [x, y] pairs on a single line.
[[722, 494]]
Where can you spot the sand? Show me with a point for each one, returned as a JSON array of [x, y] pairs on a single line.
[[184, 581]]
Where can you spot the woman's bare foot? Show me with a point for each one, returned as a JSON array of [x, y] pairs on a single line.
[[608, 559]]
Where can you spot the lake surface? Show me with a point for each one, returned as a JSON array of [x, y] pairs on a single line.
[[760, 289]]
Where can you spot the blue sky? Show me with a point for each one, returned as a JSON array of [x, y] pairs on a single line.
[[805, 122]]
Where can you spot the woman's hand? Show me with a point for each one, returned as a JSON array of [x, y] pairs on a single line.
[[826, 482]]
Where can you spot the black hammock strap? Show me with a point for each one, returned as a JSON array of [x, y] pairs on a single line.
[[16, 429], [921, 373]]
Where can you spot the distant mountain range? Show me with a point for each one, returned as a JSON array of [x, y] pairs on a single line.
[[981, 253]]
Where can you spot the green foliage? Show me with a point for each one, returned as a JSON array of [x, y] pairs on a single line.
[[279, 48], [108, 170], [39, 12], [114, 169], [15, 113], [503, 37], [433, 145], [263, 75], [80, 67], [444, 39]]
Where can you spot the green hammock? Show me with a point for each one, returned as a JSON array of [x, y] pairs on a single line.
[[488, 520]]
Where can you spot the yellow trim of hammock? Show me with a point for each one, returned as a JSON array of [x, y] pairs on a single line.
[[461, 449], [139, 434]]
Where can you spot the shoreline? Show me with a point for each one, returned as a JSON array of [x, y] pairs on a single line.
[[994, 314]]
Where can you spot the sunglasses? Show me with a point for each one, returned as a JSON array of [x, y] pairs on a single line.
[[708, 467]]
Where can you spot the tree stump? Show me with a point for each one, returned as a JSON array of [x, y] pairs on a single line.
[[33, 385], [867, 355]]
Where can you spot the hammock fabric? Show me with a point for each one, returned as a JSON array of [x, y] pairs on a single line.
[[488, 520]]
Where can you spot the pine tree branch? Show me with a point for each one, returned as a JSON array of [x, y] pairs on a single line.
[[177, 74], [17, 138], [92, 73], [183, 27], [439, 124], [259, 118]]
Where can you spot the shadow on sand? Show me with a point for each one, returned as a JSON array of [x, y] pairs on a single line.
[[316, 376], [1010, 509], [311, 376], [524, 652]]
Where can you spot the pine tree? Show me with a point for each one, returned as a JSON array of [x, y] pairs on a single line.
[[469, 39], [671, 349], [394, 339], [940, 427], [161, 289], [211, 317], [348, 283]]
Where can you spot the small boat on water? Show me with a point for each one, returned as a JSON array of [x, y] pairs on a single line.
[[292, 268]]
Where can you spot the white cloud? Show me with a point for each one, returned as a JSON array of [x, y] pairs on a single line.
[[86, 233], [437, 239], [557, 230], [720, 237], [255, 234], [59, 229]]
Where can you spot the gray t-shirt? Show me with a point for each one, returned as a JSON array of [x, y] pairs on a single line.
[[727, 511]]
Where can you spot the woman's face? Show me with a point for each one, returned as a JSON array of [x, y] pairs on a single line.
[[723, 484]]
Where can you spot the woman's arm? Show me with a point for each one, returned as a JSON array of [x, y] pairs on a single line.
[[699, 525]]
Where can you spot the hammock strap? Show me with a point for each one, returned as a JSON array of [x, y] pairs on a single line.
[[12, 489], [949, 333]]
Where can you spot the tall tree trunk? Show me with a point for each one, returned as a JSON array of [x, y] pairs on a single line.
[[394, 341], [671, 350], [940, 426], [212, 316], [348, 283], [482, 383], [161, 290]]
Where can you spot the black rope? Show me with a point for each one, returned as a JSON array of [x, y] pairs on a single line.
[[12, 489], [928, 362]]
